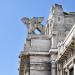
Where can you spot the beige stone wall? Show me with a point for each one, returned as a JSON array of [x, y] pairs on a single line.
[[40, 45], [38, 59], [34, 72]]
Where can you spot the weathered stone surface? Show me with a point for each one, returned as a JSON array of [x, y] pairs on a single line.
[[51, 53]]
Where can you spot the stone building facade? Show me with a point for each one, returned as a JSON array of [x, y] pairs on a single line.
[[52, 52]]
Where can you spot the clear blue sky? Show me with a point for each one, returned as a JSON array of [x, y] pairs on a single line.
[[13, 32]]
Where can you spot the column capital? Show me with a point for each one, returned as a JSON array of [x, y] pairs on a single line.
[[53, 61]]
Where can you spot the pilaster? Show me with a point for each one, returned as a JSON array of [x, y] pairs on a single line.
[[53, 68], [53, 56]]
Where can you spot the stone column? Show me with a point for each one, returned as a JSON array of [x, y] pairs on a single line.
[[53, 68], [67, 70], [22, 66], [74, 65], [54, 41], [74, 69]]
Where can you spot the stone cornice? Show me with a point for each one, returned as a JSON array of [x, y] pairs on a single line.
[[53, 51], [32, 36]]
